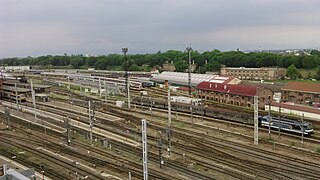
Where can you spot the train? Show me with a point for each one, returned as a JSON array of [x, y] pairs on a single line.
[[198, 108], [148, 84], [286, 125]]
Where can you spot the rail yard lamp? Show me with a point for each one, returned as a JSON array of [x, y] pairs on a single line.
[[125, 50], [189, 49]]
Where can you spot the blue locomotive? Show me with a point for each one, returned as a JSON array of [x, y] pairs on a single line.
[[287, 125]]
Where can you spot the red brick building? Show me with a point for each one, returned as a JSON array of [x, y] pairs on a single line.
[[240, 95], [301, 93]]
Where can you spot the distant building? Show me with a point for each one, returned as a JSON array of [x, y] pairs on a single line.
[[17, 68], [301, 93], [239, 95], [254, 73], [168, 67]]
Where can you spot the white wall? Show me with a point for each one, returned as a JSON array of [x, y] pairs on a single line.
[[294, 112]]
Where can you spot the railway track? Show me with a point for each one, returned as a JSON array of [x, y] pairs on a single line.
[[121, 126], [208, 145], [173, 165], [34, 152], [250, 151]]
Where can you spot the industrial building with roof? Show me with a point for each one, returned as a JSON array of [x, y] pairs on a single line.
[[179, 78], [294, 109], [254, 73], [240, 95], [301, 93]]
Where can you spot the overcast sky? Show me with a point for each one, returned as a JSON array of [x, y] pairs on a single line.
[[42, 27]]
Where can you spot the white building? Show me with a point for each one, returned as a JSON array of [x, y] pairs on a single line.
[[17, 68]]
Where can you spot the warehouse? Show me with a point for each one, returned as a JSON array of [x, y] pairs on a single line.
[[240, 95], [182, 79], [301, 93]]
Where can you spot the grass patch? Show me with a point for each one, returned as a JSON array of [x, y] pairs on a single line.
[[318, 149], [58, 96], [180, 124], [308, 73], [292, 144]]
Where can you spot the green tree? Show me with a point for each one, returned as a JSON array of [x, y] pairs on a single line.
[[213, 66], [76, 62], [317, 76], [292, 72], [181, 66]]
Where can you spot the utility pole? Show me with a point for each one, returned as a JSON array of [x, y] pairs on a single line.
[[125, 50], [202, 108], [7, 113], [191, 109], [67, 126], [91, 116], [150, 105], [159, 144], [270, 120], [69, 88], [302, 128], [279, 122], [255, 107], [100, 88], [129, 178], [105, 93], [34, 101], [189, 49], [144, 149], [17, 102], [80, 87], [169, 123], [128, 92]]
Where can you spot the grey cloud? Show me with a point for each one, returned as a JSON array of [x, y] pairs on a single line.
[[104, 26]]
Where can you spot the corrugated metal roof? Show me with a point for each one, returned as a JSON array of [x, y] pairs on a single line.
[[183, 78], [228, 88]]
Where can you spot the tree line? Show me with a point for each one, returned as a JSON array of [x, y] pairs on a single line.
[[206, 61]]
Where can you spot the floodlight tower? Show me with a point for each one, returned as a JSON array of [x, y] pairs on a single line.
[[125, 50], [189, 49]]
